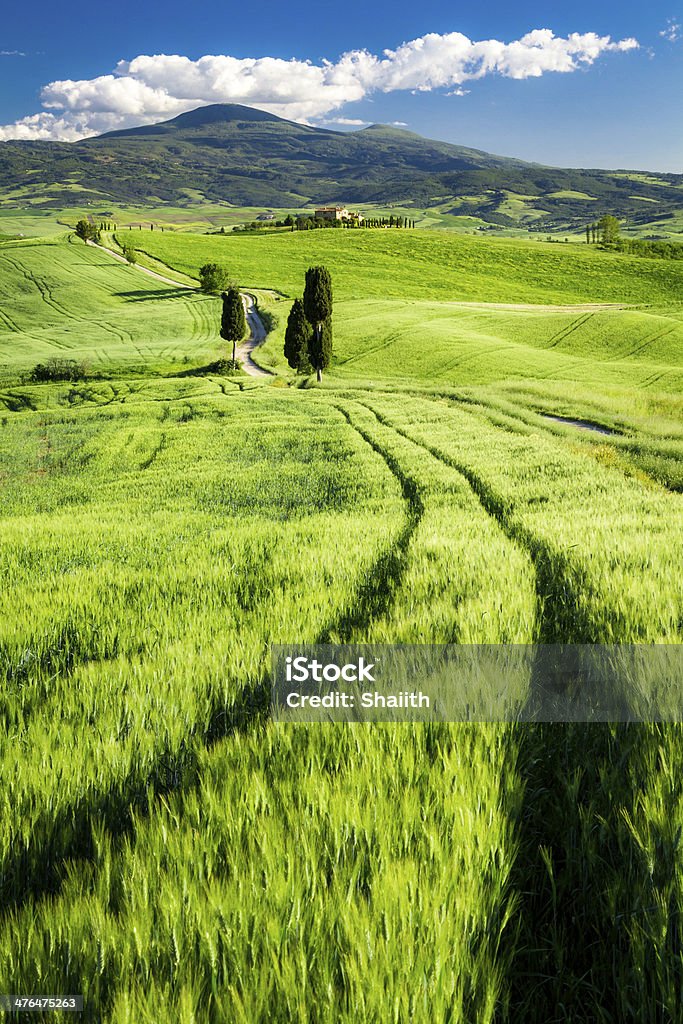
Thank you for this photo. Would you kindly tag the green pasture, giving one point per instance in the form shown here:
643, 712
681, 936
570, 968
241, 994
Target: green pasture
395, 263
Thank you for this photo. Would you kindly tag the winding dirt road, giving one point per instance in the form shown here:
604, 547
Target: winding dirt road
257, 335
257, 331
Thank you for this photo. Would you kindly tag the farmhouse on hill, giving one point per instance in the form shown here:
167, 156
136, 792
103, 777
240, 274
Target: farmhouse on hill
338, 213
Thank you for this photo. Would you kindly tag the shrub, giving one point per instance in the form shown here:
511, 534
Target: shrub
58, 370
227, 367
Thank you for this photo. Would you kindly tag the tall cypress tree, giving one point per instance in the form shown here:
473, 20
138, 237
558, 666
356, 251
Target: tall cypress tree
233, 321
297, 337
318, 310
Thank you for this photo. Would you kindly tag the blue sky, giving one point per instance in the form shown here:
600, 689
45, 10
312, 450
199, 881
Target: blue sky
482, 75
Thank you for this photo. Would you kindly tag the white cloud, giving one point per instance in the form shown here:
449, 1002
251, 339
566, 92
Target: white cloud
672, 33
154, 88
400, 124
12, 53
356, 122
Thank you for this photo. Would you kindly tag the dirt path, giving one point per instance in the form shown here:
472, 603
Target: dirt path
257, 335
257, 332
143, 270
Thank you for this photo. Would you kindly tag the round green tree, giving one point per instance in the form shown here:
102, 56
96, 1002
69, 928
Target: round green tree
213, 278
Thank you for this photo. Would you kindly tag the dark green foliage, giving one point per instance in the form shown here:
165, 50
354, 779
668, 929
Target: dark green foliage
298, 334
233, 321
88, 232
662, 250
58, 370
226, 367
130, 254
320, 347
318, 295
318, 310
213, 278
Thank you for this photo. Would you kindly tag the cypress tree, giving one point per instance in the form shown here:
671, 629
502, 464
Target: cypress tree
233, 322
318, 310
297, 337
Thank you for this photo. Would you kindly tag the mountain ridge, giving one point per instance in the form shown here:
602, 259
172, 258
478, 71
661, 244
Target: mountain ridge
245, 156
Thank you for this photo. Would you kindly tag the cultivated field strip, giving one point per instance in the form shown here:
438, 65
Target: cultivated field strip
244, 899
462, 578
603, 581
154, 630
151, 709
73, 301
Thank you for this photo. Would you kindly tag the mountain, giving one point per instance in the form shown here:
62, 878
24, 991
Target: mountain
248, 157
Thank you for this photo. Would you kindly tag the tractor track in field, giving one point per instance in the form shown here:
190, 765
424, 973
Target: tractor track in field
48, 298
555, 622
7, 319
374, 597
390, 340
650, 341
575, 325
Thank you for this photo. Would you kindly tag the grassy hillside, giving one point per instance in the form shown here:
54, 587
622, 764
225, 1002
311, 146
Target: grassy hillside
421, 265
62, 299
414, 306
445, 343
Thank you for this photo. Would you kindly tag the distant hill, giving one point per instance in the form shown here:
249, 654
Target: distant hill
248, 157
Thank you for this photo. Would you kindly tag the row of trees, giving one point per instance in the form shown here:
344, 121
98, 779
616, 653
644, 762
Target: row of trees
308, 336
660, 249
389, 222
309, 223
604, 231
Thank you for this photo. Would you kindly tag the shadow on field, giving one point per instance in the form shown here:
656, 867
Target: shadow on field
35, 870
592, 941
149, 295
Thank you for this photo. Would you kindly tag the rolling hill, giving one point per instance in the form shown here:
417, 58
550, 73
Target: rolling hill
245, 157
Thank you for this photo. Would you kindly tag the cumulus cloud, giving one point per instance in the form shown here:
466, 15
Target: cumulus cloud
672, 33
154, 88
355, 122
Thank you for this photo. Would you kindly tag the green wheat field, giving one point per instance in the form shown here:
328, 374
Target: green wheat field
165, 848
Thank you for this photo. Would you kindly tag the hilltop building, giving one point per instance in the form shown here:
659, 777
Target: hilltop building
338, 213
